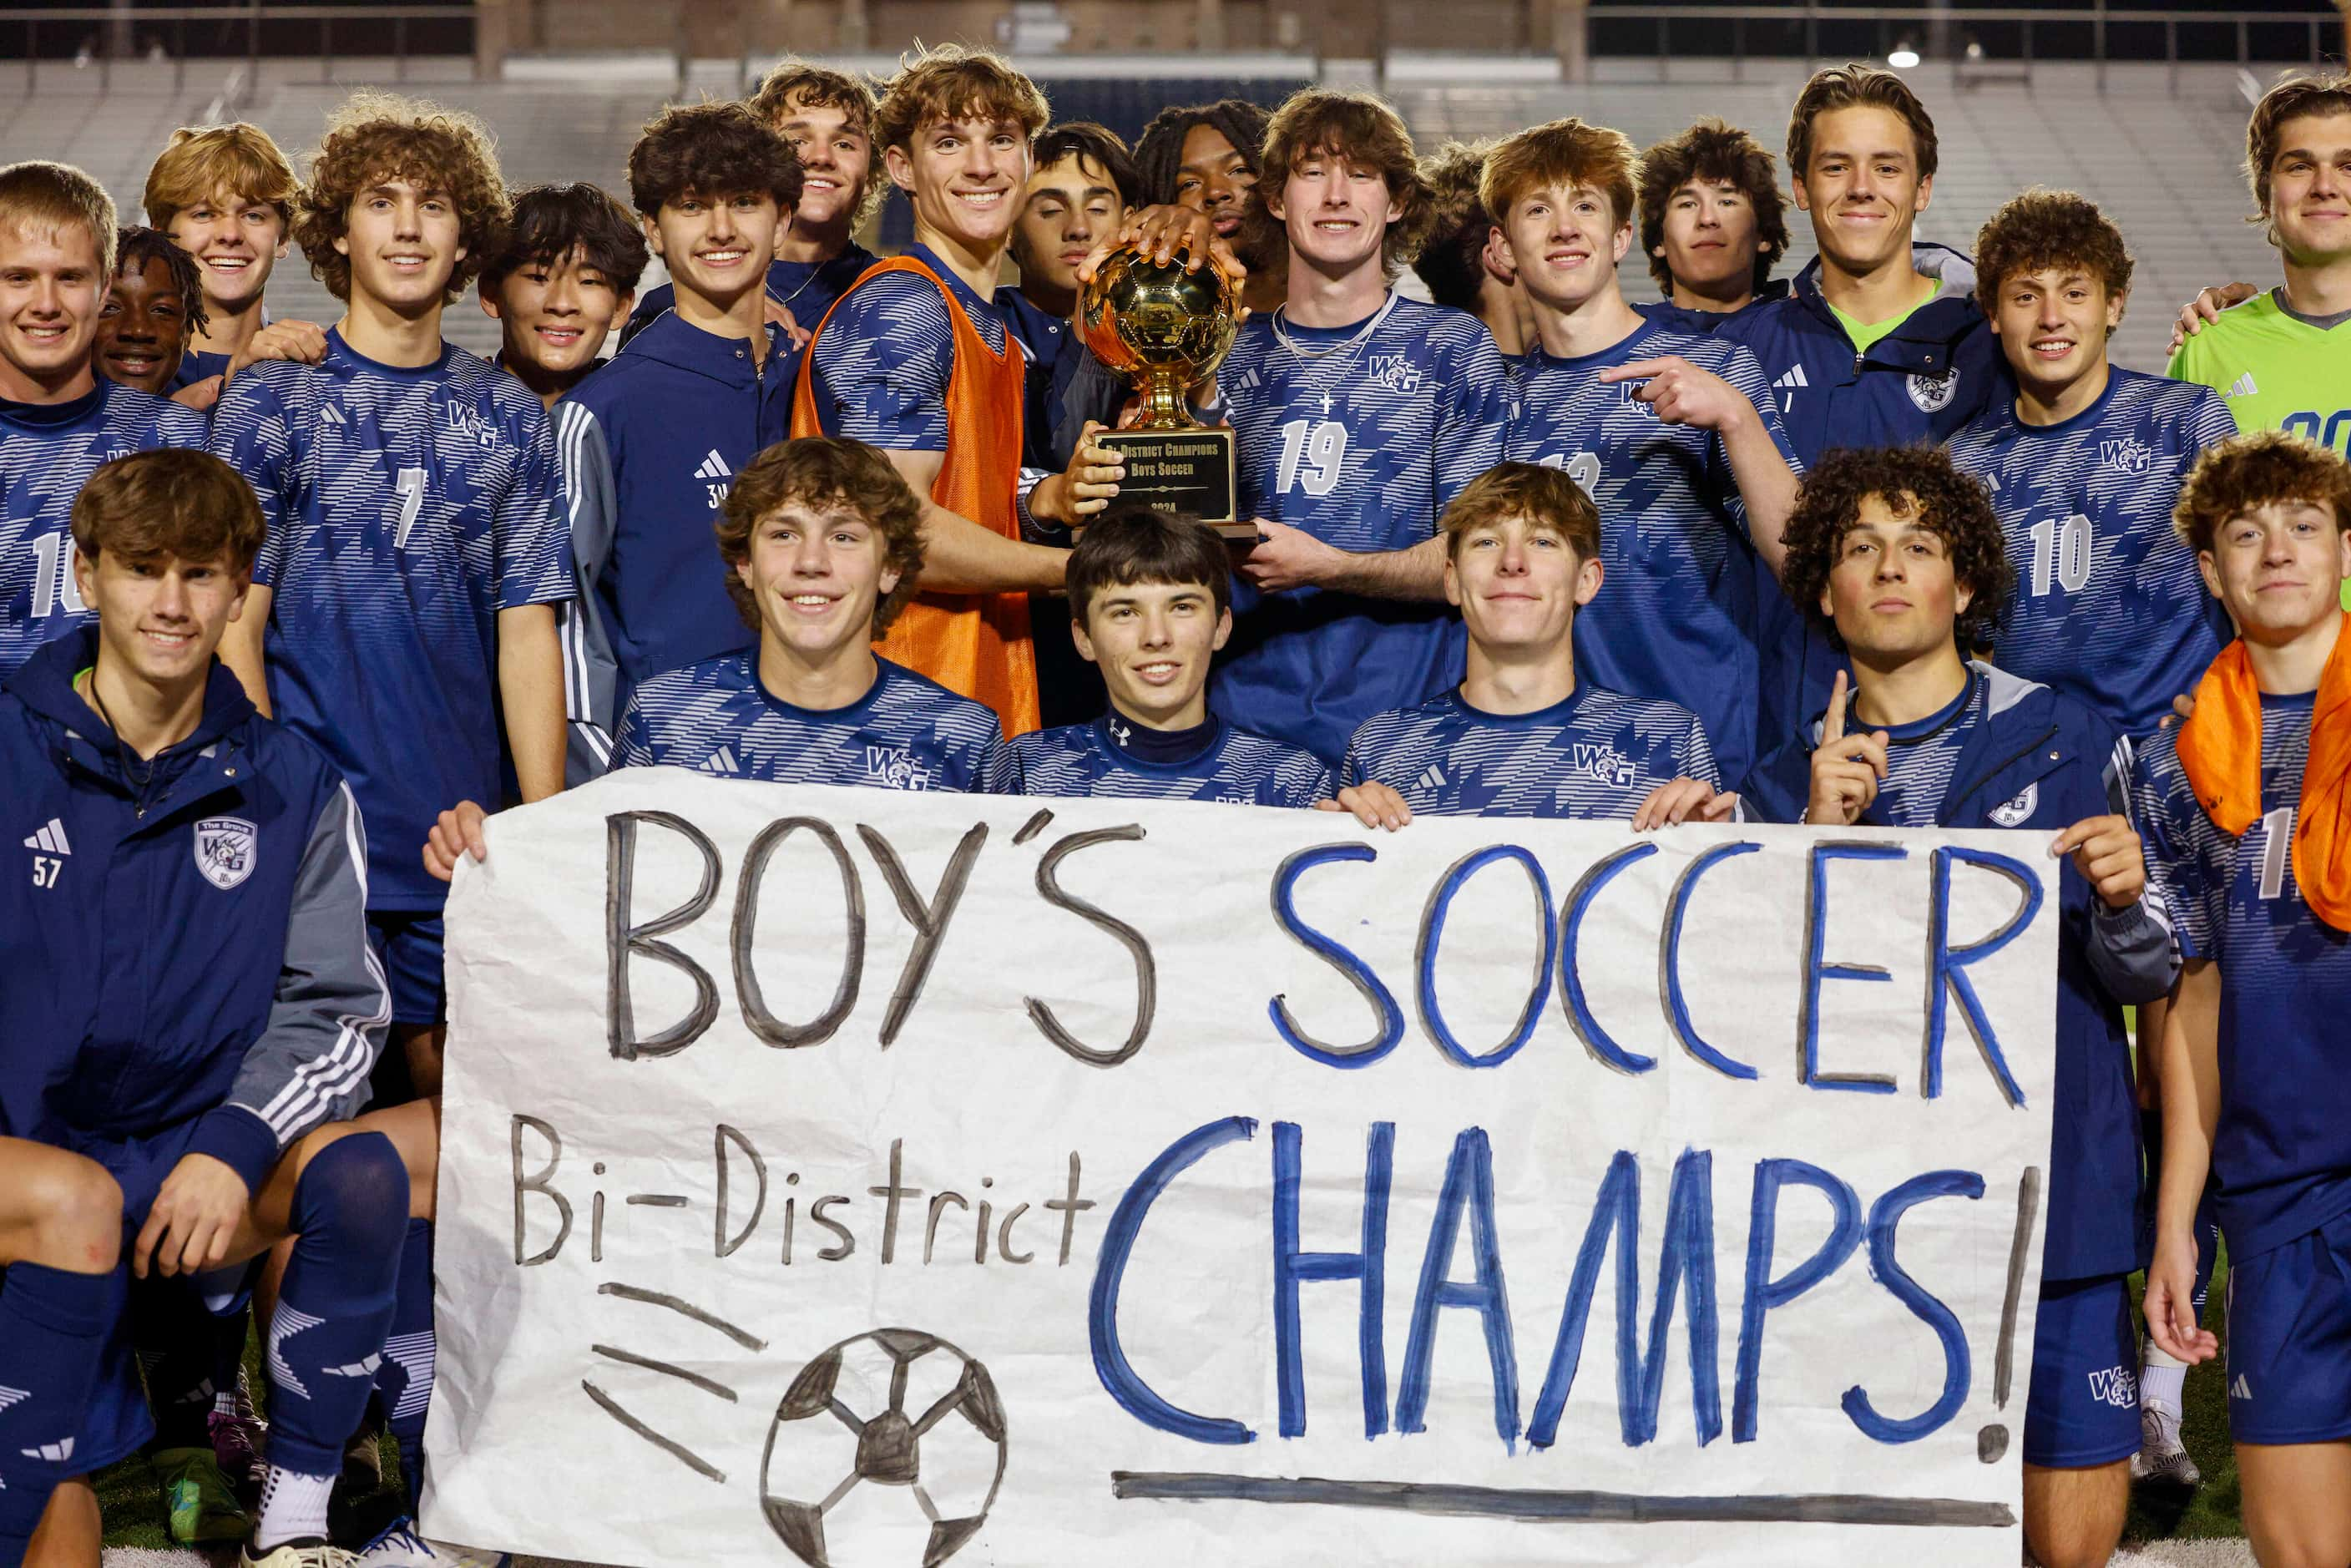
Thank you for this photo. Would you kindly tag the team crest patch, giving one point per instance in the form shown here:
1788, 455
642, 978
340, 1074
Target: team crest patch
224, 850
1934, 393
2016, 813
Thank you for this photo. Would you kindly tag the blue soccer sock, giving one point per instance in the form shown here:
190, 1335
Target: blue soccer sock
405, 1378
327, 1338
53, 1327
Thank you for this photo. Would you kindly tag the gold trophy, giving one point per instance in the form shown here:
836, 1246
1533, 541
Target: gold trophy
1165, 328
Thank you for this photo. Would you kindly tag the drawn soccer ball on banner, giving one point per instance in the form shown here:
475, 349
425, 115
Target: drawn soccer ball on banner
886, 1452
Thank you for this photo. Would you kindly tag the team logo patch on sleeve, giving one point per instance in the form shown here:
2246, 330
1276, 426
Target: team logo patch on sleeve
2016, 813
224, 850
1934, 393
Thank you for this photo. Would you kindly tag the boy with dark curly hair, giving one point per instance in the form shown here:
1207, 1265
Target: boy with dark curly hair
826, 117
1713, 224
1904, 559
2247, 808
651, 441
2083, 465
818, 549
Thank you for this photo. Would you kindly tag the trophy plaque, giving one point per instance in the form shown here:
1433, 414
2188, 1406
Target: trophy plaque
1163, 329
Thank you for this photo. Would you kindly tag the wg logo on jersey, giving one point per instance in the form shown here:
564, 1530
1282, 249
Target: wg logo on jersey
468, 424
1932, 395
2126, 455
1393, 372
894, 768
2116, 1387
1605, 763
224, 850
2016, 813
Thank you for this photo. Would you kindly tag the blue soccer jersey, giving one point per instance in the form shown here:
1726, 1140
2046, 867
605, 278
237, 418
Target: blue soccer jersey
1922, 757
1360, 435
2109, 608
882, 362
907, 732
1675, 616
2282, 1148
406, 507
1235, 766
47, 451
196, 365
1595, 755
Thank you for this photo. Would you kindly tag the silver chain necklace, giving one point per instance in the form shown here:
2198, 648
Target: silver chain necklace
1351, 348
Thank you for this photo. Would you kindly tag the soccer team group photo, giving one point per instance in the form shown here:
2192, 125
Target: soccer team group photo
1221, 508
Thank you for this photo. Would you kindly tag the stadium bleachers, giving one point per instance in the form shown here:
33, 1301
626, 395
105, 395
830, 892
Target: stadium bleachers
2166, 165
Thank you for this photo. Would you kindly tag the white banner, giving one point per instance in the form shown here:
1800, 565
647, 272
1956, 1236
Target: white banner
848, 1177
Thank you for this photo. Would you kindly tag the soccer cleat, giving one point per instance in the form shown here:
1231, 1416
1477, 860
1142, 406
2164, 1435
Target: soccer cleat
237, 1445
197, 1497
402, 1547
363, 1459
297, 1554
2160, 1459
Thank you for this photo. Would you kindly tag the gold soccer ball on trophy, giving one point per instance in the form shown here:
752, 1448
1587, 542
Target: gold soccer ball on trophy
1160, 327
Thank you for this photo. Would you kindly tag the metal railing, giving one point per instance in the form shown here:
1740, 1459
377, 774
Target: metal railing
218, 32
2009, 39
2322, 32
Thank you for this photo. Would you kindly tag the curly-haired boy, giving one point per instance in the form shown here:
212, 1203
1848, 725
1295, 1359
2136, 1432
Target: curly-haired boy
1904, 559
2083, 465
403, 611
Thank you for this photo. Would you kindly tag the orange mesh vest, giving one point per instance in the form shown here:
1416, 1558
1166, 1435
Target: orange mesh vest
975, 644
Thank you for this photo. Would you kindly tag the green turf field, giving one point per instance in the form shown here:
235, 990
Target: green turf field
2212, 1509
134, 1510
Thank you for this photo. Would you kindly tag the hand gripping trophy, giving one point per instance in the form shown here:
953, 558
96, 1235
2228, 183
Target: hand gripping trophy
1164, 329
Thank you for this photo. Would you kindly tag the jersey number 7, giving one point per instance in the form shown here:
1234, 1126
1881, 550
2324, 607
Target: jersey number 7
410, 489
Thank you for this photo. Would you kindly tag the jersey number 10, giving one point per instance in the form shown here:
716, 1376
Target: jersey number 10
2062, 551
53, 577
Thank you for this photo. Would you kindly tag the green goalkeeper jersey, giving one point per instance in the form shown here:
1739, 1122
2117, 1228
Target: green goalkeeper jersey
2276, 370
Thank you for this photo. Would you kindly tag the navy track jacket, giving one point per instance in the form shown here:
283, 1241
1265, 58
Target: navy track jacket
1916, 386
649, 446
191, 949
2041, 761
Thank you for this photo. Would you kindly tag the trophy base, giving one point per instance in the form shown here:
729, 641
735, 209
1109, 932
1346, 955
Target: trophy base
1187, 472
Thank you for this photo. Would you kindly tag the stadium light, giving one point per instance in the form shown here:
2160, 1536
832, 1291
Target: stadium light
1904, 56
